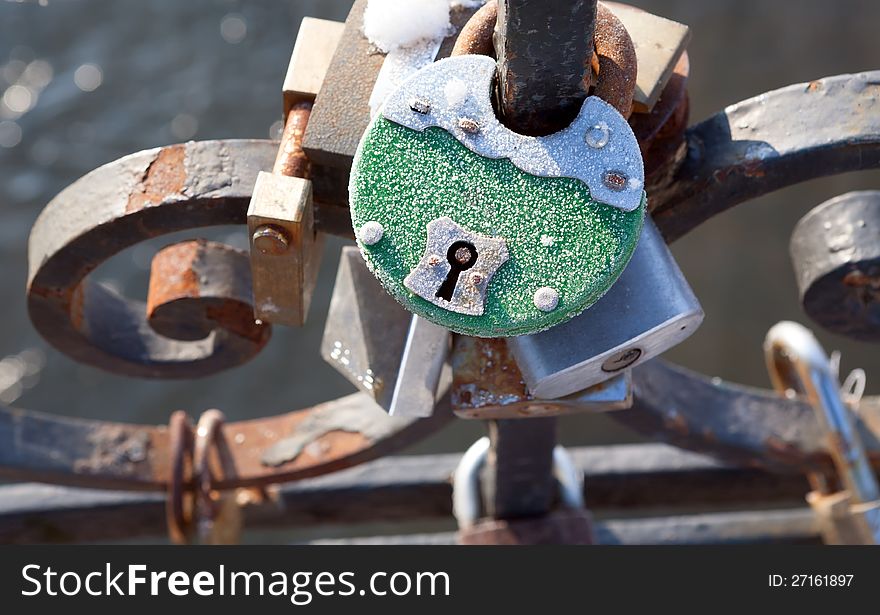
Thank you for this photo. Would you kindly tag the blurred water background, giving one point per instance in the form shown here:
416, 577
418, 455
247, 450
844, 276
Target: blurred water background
83, 82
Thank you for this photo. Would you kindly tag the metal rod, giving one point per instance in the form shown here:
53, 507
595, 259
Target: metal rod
518, 480
544, 48
618, 478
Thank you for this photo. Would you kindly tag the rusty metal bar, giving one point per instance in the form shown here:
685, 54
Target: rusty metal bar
624, 477
746, 425
544, 48
118, 205
518, 478
303, 443
291, 160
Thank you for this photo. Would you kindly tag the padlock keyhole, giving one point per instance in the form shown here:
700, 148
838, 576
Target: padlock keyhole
461, 256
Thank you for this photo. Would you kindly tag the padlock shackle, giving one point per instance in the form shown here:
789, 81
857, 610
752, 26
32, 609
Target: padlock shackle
797, 362
466, 500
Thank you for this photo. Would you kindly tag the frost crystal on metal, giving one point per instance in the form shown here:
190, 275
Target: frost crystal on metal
598, 142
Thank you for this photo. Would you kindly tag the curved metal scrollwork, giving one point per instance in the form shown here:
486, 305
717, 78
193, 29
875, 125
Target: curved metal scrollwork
120, 204
750, 149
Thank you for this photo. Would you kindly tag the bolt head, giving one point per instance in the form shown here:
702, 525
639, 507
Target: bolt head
468, 125
615, 180
270, 240
419, 105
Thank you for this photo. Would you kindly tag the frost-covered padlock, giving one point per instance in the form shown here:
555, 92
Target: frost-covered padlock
485, 231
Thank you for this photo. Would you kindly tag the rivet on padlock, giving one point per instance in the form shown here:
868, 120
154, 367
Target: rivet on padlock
650, 309
797, 363
484, 231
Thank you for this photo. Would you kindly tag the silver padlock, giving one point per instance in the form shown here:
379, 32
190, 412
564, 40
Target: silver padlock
650, 309
797, 363
386, 352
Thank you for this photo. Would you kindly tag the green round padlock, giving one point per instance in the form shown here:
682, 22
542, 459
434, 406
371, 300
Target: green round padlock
485, 231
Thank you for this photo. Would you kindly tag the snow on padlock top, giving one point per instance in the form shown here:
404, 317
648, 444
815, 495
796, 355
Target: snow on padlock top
455, 94
485, 231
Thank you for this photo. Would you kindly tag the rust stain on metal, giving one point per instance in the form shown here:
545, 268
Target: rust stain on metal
661, 133
77, 307
475, 37
709, 435
859, 279
780, 449
291, 160
238, 318
180, 286
171, 274
329, 432
484, 374
311, 448
676, 422
164, 176
753, 168
618, 66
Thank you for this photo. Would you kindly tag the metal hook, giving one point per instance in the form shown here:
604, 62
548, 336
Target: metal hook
853, 388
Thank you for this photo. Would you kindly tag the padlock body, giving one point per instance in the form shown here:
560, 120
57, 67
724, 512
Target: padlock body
484, 231
556, 235
368, 338
650, 309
